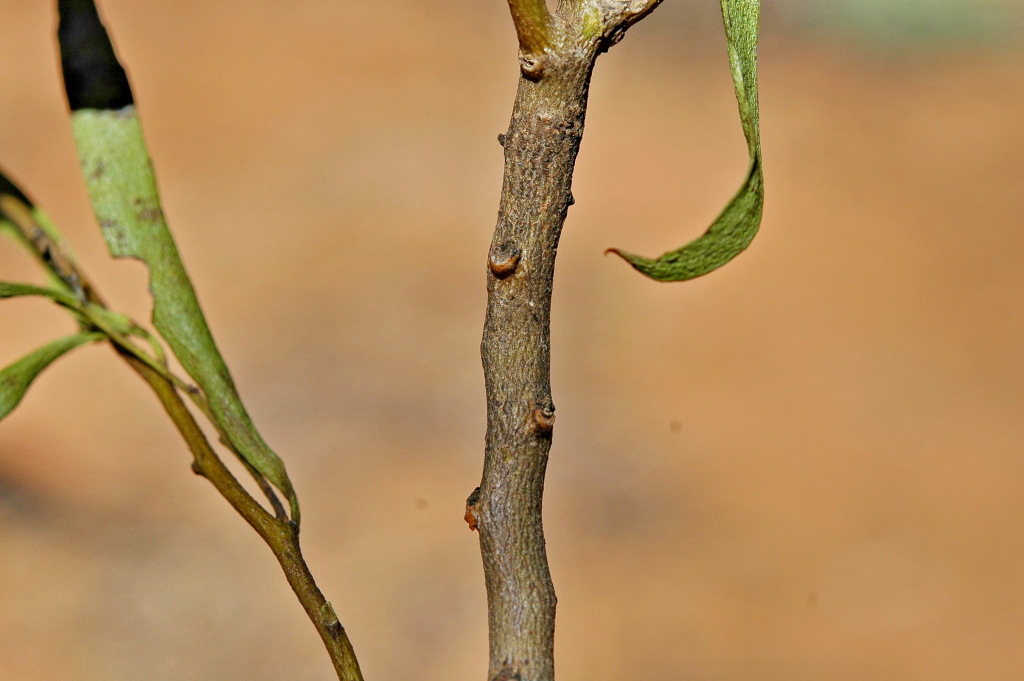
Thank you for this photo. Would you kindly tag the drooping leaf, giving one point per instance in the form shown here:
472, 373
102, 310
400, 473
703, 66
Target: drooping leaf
733, 230
122, 188
16, 378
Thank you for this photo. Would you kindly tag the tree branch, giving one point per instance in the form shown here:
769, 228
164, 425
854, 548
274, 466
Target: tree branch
637, 10
615, 17
541, 146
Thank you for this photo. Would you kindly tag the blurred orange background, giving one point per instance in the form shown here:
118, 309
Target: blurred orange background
808, 465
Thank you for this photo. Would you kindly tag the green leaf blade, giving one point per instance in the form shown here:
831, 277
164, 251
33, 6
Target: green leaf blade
122, 188
16, 378
10, 289
737, 225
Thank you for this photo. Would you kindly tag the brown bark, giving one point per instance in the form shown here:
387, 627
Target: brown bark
541, 145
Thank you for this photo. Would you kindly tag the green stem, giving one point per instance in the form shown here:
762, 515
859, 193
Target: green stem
533, 26
281, 536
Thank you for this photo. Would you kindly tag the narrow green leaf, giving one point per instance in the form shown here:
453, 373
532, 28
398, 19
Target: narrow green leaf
12, 290
122, 188
16, 378
117, 327
32, 228
733, 230
59, 294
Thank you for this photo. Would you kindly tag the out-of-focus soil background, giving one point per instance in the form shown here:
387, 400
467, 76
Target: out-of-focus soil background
808, 465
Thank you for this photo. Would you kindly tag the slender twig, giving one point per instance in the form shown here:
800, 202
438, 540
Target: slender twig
533, 27
541, 146
282, 536
533, 24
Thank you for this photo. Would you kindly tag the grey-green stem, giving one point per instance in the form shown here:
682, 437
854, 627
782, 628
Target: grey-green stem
282, 536
541, 145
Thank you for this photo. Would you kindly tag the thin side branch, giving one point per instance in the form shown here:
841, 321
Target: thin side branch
638, 9
618, 16
282, 536
533, 24
533, 27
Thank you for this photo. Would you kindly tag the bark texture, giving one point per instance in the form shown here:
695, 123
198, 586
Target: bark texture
541, 145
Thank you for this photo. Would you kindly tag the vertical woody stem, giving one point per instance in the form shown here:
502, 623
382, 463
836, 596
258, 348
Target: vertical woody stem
541, 145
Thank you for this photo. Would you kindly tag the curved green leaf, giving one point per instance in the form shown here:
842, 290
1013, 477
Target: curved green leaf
16, 378
122, 188
733, 230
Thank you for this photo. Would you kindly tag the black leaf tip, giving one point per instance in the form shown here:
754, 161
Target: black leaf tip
93, 78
